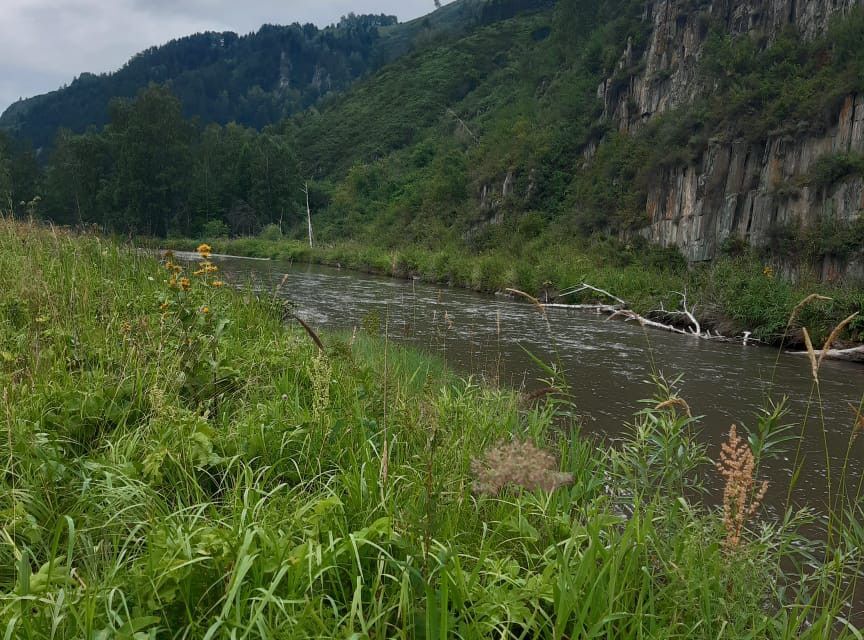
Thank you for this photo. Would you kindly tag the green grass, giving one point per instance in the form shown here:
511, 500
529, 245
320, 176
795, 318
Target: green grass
180, 464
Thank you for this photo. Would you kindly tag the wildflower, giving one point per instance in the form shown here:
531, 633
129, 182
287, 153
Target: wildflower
737, 467
520, 464
204, 250
185, 284
206, 267
217, 284
205, 310
768, 271
125, 327
164, 306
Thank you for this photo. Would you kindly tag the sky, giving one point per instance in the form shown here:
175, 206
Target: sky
45, 44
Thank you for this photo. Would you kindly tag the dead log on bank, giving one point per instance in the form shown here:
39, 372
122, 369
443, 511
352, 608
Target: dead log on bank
621, 310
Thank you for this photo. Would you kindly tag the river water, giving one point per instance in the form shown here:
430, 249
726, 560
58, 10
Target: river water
608, 363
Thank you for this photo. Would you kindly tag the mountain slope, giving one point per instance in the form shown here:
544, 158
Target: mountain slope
220, 77
255, 79
701, 127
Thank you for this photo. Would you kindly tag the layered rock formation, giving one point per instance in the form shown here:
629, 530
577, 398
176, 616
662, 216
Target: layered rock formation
736, 188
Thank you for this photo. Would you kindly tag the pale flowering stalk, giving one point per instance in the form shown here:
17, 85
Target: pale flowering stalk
737, 466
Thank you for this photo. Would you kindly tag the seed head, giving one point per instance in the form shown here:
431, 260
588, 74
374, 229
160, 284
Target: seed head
520, 464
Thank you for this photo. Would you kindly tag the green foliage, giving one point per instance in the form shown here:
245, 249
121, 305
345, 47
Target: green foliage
253, 79
830, 169
150, 171
19, 175
327, 493
215, 229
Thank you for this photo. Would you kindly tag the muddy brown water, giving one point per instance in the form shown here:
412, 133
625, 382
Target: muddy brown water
608, 363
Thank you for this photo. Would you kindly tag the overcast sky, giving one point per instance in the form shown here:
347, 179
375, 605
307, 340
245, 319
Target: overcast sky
46, 43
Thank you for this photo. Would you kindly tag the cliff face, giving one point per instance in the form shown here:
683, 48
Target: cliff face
735, 188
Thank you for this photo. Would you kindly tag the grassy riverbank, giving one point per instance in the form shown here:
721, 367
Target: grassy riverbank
732, 295
177, 463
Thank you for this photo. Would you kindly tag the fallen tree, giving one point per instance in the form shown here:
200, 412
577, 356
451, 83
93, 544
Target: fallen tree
620, 309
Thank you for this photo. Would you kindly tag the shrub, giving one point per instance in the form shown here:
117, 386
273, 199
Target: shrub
271, 233
215, 229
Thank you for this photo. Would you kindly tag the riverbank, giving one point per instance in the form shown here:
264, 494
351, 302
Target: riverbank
732, 296
178, 461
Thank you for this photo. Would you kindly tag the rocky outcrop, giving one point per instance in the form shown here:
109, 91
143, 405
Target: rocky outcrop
736, 188
667, 75
748, 191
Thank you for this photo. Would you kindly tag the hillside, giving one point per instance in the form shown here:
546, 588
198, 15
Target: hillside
255, 79
705, 128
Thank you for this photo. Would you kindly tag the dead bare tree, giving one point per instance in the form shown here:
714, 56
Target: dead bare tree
308, 212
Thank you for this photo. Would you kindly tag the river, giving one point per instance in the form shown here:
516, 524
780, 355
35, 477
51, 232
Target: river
608, 363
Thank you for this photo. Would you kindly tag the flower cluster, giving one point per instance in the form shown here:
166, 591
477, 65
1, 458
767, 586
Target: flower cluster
205, 267
737, 467
175, 281
517, 464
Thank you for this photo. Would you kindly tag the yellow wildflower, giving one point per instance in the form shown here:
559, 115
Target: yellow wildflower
205, 310
164, 306
200, 272
768, 271
185, 284
217, 283
204, 250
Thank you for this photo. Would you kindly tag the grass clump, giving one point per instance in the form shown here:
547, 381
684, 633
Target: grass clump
177, 463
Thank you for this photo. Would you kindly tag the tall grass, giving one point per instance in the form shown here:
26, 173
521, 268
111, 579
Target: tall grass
178, 463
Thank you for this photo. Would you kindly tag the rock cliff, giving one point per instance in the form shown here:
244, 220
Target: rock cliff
735, 188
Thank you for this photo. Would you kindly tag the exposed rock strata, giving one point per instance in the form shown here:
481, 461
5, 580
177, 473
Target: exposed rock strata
735, 188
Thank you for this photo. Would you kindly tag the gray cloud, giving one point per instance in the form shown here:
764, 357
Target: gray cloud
46, 43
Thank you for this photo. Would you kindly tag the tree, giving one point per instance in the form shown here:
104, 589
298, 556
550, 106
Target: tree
151, 141
19, 175
76, 177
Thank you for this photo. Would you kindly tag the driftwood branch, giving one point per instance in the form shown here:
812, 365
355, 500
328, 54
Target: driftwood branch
620, 310
690, 314
587, 287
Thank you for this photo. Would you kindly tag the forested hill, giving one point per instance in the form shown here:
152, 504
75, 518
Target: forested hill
709, 126
255, 79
